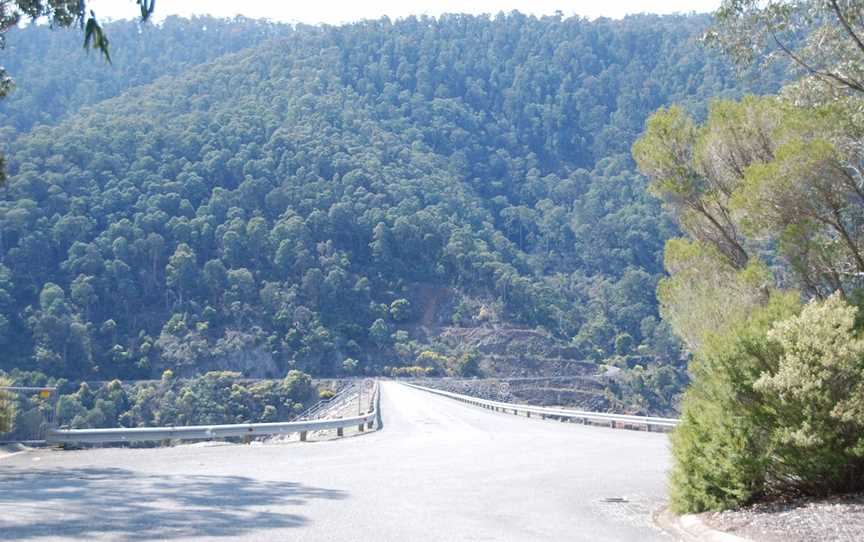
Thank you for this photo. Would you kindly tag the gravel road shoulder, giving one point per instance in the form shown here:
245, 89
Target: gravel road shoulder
8, 450
836, 519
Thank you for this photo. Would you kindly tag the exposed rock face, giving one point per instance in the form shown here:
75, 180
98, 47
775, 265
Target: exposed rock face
193, 354
511, 351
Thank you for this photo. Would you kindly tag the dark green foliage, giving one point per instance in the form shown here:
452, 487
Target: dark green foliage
468, 364
54, 77
284, 206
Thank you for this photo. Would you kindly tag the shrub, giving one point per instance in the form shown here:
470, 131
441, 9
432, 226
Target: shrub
412, 371
719, 449
776, 407
468, 364
349, 366
817, 397
326, 394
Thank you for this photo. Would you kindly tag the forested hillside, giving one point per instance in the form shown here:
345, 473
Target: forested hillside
54, 76
314, 201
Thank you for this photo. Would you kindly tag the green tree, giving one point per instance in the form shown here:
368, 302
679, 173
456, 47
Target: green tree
831, 54
379, 333
400, 310
816, 394
61, 14
181, 273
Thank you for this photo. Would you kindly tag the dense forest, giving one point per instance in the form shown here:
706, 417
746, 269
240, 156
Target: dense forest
308, 198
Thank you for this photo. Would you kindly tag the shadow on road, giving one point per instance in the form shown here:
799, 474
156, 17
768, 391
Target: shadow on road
120, 504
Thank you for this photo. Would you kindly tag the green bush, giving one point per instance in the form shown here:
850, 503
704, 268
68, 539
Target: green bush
719, 447
468, 364
326, 394
816, 396
214, 397
411, 371
776, 407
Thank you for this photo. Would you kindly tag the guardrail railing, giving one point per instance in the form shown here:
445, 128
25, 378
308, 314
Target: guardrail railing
651, 423
313, 412
205, 432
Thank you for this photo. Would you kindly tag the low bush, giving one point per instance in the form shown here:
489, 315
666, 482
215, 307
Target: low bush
776, 407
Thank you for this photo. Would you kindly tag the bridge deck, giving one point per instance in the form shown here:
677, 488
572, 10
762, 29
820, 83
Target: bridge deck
439, 470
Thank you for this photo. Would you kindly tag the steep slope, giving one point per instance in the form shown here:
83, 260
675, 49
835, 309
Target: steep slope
292, 204
54, 76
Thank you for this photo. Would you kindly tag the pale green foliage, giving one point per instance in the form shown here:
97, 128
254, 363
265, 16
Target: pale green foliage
400, 310
817, 398
349, 365
808, 196
704, 294
760, 31
759, 170
696, 169
428, 358
181, 273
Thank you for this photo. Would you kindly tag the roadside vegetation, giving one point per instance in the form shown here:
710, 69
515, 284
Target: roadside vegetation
765, 285
218, 397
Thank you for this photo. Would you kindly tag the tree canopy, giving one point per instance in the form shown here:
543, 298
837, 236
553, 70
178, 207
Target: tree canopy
292, 204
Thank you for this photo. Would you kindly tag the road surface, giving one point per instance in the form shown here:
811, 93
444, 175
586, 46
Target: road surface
439, 470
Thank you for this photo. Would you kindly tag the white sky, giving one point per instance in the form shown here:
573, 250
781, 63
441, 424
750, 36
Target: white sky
335, 11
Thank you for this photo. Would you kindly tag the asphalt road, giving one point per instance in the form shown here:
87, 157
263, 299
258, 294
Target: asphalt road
439, 470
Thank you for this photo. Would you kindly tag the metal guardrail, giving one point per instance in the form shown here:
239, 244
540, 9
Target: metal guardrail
205, 432
313, 411
650, 422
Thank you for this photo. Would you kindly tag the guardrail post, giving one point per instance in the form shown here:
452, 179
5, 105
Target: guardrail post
339, 431
369, 424
361, 427
528, 413
648, 427
302, 436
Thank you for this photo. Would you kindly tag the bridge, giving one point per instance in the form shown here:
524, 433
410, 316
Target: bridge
440, 469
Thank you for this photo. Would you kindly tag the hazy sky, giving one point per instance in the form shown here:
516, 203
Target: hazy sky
334, 12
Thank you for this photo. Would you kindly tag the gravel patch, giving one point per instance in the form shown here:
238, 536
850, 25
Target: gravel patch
835, 519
